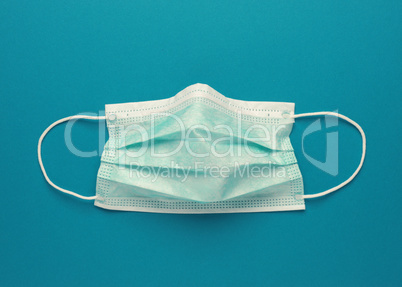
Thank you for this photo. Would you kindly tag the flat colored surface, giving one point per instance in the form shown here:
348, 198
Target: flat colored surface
60, 58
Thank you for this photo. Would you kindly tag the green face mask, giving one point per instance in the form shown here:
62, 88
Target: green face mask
200, 152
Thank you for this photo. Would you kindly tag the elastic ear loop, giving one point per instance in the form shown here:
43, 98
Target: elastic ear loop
356, 125
40, 153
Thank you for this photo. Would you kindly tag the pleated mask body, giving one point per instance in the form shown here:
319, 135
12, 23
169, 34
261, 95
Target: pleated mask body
199, 152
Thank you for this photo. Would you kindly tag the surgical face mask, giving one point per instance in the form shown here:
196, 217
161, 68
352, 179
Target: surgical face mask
200, 152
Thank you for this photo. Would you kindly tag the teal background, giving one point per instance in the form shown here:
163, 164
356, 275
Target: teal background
60, 58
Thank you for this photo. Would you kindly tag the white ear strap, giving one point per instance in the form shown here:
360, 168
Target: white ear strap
40, 153
293, 116
356, 125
